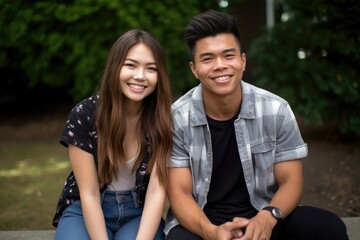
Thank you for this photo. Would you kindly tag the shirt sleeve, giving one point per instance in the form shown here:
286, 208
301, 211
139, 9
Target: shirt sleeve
180, 154
79, 128
289, 143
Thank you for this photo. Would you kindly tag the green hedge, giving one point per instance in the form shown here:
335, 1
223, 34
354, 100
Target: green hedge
63, 44
311, 58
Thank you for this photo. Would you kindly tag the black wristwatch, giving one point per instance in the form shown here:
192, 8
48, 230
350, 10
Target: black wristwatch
275, 212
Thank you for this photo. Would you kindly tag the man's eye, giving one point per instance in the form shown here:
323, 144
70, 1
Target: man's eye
230, 56
206, 59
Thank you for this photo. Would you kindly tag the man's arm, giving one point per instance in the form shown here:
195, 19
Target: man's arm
188, 212
289, 175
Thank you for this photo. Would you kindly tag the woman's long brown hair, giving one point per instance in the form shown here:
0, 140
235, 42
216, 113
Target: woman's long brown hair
155, 121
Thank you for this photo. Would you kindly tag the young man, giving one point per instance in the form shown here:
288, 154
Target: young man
236, 170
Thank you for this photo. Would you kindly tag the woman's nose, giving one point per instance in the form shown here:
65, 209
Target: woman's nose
139, 74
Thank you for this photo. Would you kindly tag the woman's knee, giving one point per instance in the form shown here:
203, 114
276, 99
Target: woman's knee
72, 224
71, 228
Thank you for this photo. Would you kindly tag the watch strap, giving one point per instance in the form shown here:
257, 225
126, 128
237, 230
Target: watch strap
275, 212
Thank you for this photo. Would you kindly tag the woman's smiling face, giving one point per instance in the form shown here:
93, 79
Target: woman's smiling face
138, 74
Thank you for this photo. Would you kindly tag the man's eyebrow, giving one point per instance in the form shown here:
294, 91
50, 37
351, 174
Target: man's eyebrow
230, 50
206, 54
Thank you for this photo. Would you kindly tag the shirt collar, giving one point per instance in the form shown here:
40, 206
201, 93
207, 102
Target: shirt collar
198, 115
248, 102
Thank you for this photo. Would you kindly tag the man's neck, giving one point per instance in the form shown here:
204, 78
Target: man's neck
222, 107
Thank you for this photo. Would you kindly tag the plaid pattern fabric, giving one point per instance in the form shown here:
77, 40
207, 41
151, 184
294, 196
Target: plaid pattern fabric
266, 133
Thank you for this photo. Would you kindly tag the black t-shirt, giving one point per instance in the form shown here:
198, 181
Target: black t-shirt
228, 196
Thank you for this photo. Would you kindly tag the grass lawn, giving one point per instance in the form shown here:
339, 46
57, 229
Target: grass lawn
32, 174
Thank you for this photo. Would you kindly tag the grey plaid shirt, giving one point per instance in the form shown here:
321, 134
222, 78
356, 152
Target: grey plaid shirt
266, 133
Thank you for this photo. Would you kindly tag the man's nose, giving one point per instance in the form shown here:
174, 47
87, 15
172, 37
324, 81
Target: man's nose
219, 63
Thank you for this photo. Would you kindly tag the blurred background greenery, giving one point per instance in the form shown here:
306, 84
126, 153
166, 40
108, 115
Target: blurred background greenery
52, 54
306, 51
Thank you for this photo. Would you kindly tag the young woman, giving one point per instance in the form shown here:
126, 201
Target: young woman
119, 145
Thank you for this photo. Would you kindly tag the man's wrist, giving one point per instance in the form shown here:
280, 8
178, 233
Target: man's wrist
208, 230
275, 212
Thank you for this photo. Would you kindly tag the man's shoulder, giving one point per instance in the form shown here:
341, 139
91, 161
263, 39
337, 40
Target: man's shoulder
184, 102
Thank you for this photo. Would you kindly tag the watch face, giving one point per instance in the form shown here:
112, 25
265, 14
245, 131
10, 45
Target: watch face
276, 213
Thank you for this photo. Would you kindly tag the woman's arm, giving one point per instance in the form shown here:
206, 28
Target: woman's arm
153, 209
83, 166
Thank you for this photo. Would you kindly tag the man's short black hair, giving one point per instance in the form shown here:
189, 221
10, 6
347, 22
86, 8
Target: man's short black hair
209, 23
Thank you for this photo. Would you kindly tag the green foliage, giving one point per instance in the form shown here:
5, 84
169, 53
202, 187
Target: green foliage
312, 59
65, 43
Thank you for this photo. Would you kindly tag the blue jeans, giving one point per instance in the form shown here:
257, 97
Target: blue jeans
122, 218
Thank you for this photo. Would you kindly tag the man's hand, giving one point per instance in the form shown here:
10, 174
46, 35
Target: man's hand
231, 230
259, 228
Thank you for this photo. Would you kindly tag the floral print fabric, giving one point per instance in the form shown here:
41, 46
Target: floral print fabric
80, 130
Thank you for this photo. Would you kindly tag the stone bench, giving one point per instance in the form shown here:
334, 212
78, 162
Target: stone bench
352, 223
28, 235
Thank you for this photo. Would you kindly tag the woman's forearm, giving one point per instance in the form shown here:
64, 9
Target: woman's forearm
94, 218
153, 209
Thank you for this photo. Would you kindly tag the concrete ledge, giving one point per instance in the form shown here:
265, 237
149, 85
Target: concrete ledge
27, 235
352, 224
353, 227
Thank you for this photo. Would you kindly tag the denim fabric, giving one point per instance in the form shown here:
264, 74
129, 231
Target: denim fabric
122, 217
80, 130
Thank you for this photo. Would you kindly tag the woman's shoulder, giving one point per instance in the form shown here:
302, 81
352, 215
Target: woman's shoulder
86, 105
89, 102
85, 109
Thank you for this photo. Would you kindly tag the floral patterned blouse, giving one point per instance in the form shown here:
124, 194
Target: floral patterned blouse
80, 130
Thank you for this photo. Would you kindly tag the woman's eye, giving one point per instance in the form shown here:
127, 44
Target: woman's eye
129, 65
153, 69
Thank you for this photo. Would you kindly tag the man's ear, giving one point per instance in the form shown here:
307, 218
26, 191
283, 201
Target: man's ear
193, 69
243, 58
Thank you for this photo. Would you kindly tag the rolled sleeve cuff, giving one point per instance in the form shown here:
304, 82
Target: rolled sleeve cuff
290, 154
179, 162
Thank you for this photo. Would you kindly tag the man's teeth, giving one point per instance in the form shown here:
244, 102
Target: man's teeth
222, 78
